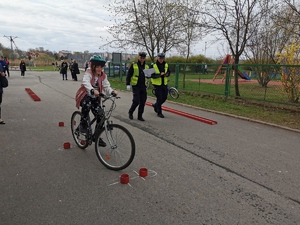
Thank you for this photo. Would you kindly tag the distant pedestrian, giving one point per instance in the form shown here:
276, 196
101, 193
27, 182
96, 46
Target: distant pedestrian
86, 65
64, 70
3, 84
75, 70
3, 63
7, 66
71, 68
22, 68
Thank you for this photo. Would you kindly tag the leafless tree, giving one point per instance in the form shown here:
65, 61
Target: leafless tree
191, 29
151, 25
295, 8
287, 17
236, 21
262, 47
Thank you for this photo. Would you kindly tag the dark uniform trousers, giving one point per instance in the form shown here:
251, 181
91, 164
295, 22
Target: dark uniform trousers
139, 99
161, 93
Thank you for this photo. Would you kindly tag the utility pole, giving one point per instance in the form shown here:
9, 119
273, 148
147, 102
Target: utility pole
11, 39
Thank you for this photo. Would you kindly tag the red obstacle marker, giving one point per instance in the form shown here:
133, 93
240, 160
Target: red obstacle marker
143, 172
61, 124
124, 179
67, 145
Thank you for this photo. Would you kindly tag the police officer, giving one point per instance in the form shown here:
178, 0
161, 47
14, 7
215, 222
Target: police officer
136, 78
159, 80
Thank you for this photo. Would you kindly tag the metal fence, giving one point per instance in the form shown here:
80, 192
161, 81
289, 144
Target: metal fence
270, 83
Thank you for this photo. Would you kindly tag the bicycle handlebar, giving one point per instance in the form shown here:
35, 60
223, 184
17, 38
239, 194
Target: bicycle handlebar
112, 95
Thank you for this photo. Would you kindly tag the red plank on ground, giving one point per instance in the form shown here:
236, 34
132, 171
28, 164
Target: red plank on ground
32, 95
188, 115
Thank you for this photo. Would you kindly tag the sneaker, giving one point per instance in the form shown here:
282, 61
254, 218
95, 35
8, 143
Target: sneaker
101, 143
160, 115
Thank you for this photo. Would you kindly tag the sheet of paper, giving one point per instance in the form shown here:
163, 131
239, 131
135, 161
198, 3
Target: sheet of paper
148, 72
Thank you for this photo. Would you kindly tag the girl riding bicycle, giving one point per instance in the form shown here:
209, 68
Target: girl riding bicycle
94, 82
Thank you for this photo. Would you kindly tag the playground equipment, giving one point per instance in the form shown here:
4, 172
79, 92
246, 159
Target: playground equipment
222, 69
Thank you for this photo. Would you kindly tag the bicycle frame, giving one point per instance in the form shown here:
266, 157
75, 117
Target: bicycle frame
114, 144
104, 119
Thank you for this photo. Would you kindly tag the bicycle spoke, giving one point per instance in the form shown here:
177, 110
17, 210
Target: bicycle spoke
79, 138
119, 150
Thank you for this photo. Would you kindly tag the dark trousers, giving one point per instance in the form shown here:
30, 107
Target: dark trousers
161, 93
65, 75
139, 99
74, 75
0, 102
88, 104
6, 69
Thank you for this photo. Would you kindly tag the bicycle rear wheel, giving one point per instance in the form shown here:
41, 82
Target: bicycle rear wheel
173, 92
120, 147
80, 139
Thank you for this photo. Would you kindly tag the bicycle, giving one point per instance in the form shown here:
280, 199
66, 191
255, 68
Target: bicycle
172, 91
114, 144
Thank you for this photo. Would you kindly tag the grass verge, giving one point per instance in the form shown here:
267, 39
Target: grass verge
279, 115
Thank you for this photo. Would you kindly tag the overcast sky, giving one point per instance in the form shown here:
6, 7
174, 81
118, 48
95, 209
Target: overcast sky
62, 25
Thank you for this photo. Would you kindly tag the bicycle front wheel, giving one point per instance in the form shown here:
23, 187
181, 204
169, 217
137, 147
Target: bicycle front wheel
173, 93
115, 147
80, 139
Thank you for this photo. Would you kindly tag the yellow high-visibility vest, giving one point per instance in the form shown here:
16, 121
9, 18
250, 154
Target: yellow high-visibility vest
134, 78
157, 81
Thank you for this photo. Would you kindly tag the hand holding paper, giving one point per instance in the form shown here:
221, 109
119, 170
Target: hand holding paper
149, 72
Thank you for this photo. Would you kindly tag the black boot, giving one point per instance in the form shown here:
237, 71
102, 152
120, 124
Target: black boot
141, 118
154, 106
130, 115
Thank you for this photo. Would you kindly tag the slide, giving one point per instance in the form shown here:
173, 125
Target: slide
243, 74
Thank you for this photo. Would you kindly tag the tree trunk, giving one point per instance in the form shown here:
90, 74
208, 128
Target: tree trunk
236, 84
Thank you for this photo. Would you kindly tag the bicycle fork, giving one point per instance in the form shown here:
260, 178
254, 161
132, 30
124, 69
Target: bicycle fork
109, 135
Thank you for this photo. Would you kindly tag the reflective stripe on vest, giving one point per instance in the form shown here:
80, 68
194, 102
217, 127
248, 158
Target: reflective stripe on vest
134, 78
157, 81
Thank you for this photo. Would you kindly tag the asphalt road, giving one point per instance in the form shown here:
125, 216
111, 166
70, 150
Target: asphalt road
234, 172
